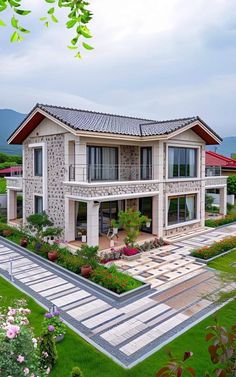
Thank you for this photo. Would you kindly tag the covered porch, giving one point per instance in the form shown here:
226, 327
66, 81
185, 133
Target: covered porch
90, 221
14, 201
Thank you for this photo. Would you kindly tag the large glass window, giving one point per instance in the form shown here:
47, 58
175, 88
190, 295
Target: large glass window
146, 163
38, 204
38, 162
182, 162
102, 163
181, 209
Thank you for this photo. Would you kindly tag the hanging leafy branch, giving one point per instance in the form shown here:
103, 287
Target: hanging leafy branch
78, 17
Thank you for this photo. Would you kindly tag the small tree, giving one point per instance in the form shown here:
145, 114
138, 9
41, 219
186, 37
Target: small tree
231, 185
131, 221
42, 225
47, 351
76, 372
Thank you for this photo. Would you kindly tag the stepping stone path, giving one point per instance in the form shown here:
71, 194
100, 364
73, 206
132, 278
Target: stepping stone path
127, 332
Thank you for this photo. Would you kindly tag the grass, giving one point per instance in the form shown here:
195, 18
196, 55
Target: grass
74, 351
225, 262
3, 184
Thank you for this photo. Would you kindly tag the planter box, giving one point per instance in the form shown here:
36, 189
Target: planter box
213, 258
131, 257
85, 282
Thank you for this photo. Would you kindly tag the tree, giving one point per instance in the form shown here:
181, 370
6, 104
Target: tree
78, 17
231, 185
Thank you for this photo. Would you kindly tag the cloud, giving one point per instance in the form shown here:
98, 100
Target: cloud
159, 59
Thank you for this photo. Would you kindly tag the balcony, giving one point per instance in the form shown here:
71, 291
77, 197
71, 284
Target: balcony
15, 183
213, 171
109, 173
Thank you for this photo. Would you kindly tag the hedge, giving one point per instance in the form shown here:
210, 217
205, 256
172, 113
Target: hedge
216, 248
219, 222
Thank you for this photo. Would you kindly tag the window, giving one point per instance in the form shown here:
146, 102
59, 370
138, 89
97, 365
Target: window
182, 162
146, 163
102, 163
38, 162
38, 204
181, 209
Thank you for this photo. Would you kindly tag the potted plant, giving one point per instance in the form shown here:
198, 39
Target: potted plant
83, 235
89, 257
131, 221
52, 255
7, 232
54, 324
148, 223
115, 226
24, 241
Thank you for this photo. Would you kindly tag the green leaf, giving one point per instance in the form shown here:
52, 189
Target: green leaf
54, 19
51, 10
22, 12
43, 19
74, 41
71, 23
88, 47
83, 30
78, 55
23, 30
14, 22
2, 23
50, 1
72, 47
14, 37
46, 24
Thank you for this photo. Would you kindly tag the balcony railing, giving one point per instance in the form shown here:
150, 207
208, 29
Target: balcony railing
101, 173
213, 171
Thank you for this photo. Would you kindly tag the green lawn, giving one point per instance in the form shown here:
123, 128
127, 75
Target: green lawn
225, 262
3, 183
74, 351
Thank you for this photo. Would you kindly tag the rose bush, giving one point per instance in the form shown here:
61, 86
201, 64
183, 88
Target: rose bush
19, 354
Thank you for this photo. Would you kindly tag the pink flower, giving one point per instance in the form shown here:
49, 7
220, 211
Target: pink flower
11, 334
20, 358
26, 371
11, 311
48, 370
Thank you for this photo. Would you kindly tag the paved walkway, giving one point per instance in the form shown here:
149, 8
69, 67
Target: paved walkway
131, 331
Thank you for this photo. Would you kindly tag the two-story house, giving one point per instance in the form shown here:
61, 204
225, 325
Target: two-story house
83, 167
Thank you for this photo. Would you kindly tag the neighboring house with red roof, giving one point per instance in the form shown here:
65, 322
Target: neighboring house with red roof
12, 171
215, 162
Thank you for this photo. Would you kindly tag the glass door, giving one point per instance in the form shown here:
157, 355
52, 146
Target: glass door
145, 207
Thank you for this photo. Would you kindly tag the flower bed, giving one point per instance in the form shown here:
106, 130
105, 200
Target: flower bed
216, 248
120, 283
219, 222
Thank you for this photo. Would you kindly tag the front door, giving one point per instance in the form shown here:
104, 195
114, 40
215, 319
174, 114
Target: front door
108, 211
145, 207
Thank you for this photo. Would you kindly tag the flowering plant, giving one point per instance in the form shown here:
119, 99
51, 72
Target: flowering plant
53, 323
19, 354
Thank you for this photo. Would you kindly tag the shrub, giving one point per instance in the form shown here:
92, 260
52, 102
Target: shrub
231, 185
54, 324
37, 223
18, 347
47, 350
219, 222
88, 254
216, 248
76, 372
70, 261
114, 280
131, 221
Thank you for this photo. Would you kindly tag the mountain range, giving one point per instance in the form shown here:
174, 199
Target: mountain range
10, 120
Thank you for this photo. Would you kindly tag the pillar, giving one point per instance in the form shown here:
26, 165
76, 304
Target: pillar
223, 200
93, 223
69, 220
11, 205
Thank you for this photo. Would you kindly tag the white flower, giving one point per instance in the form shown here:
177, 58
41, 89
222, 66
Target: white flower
26, 371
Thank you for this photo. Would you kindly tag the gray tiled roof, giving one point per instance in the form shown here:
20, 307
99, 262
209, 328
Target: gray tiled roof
116, 124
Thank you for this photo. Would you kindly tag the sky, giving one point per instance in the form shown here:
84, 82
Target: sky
160, 59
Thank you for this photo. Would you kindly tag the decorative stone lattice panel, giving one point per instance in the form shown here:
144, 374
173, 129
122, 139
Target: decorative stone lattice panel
214, 181
93, 191
56, 174
179, 187
129, 163
181, 229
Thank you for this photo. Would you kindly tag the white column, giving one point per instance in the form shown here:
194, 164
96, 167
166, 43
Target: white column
201, 197
161, 196
80, 160
155, 215
223, 200
11, 205
69, 220
92, 223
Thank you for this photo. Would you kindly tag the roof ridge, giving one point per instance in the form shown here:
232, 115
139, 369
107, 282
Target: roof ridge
95, 112
169, 120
